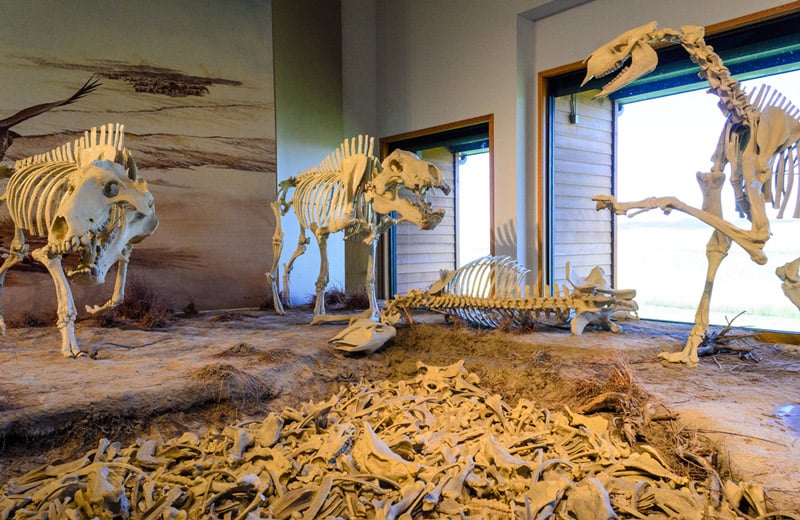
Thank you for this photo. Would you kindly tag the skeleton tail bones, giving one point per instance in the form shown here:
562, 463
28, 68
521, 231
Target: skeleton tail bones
488, 292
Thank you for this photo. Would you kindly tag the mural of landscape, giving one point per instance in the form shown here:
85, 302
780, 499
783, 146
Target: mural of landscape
192, 83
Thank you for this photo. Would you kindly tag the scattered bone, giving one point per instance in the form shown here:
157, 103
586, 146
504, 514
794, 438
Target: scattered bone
436, 446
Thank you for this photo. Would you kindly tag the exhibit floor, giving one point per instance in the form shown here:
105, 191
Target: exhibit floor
221, 367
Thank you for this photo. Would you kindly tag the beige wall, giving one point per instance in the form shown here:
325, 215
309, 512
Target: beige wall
450, 60
308, 98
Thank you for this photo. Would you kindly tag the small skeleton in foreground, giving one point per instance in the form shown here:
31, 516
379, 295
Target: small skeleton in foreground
759, 141
85, 198
489, 292
353, 192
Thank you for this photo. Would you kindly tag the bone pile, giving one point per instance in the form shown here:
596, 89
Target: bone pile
436, 446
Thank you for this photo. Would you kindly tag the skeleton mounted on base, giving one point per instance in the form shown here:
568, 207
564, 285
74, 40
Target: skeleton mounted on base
352, 191
86, 198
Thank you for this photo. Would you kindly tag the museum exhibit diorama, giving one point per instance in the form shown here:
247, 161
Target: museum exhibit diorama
213, 384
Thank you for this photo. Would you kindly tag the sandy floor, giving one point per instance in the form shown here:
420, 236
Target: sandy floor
222, 366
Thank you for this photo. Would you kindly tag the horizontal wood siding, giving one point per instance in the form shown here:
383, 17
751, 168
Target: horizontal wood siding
422, 254
582, 168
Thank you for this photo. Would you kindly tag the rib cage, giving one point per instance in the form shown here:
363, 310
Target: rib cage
39, 183
783, 163
320, 202
489, 277
320, 197
34, 194
488, 292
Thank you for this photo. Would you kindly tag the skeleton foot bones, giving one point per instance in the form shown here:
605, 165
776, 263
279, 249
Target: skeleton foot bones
434, 446
86, 198
790, 277
758, 144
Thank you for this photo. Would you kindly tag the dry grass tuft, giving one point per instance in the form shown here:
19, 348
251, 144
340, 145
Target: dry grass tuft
31, 320
339, 299
225, 382
229, 316
142, 305
277, 355
240, 349
357, 300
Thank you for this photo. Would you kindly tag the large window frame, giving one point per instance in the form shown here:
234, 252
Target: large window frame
473, 133
753, 45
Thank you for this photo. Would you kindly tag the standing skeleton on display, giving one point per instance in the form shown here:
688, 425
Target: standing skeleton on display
352, 191
85, 198
759, 142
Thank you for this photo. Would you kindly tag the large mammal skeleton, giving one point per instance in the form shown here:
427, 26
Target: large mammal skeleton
489, 292
353, 192
85, 198
759, 142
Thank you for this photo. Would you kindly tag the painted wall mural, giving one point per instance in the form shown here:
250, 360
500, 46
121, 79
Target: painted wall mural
192, 83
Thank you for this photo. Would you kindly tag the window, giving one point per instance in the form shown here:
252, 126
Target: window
650, 158
412, 258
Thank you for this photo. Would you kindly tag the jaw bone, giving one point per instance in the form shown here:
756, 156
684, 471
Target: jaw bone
633, 44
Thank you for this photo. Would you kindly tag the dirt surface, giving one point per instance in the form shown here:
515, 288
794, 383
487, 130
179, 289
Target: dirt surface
216, 368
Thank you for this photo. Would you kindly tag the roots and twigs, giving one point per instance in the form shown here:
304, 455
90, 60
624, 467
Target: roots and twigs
722, 341
337, 298
32, 320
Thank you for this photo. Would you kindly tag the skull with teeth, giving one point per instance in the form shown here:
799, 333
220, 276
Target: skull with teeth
107, 208
403, 169
88, 199
633, 44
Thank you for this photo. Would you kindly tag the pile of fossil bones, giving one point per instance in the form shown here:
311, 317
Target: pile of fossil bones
435, 446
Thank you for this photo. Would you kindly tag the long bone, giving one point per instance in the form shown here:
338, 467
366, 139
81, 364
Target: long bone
285, 481
759, 141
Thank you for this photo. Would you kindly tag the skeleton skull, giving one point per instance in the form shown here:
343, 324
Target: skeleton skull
107, 209
402, 169
633, 44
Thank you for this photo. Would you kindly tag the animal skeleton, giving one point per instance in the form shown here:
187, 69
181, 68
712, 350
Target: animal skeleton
759, 142
86, 198
488, 292
351, 191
